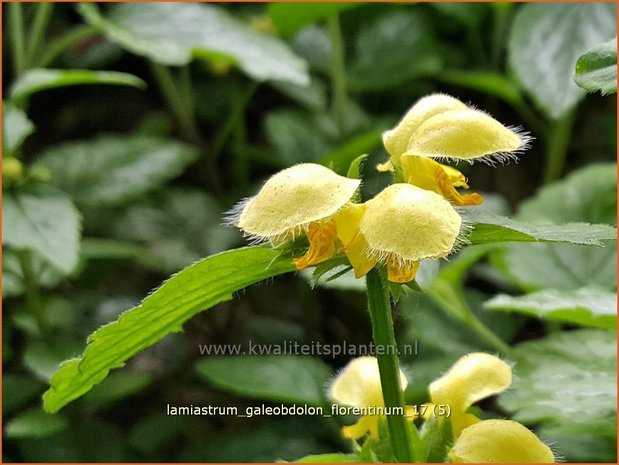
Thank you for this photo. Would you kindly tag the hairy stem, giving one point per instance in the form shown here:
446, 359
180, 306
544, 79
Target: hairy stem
388, 363
177, 102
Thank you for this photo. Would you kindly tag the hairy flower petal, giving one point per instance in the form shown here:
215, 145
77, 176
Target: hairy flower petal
408, 223
358, 384
499, 441
295, 197
397, 140
473, 377
463, 134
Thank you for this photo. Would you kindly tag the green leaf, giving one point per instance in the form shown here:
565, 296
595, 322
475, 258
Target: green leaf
37, 80
191, 291
354, 170
35, 424
16, 127
597, 69
279, 378
545, 43
288, 18
392, 49
586, 306
45, 222
113, 169
567, 380
489, 228
588, 194
174, 33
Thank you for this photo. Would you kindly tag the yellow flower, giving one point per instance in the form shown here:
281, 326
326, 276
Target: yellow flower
358, 385
402, 225
397, 140
299, 199
399, 227
441, 127
472, 378
499, 441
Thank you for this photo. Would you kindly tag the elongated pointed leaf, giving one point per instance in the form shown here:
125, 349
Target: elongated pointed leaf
586, 306
488, 228
37, 80
193, 290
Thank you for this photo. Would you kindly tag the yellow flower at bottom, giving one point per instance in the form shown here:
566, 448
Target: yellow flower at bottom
404, 224
358, 385
499, 441
472, 378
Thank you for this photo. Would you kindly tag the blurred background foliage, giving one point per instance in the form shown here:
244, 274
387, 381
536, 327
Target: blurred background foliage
129, 129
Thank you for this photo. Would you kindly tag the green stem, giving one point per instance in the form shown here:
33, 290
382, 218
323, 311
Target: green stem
186, 86
241, 161
338, 72
236, 115
451, 299
66, 41
487, 335
558, 143
33, 299
177, 103
39, 26
16, 25
388, 364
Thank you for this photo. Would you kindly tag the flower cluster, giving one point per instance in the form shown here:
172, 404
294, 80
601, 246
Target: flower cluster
471, 379
411, 220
